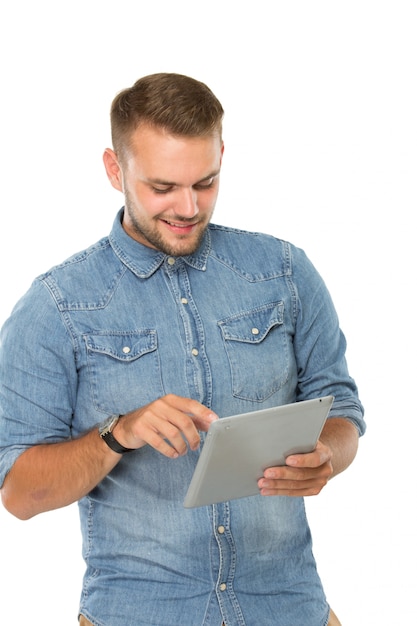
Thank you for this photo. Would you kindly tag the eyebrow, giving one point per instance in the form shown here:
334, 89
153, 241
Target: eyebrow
160, 181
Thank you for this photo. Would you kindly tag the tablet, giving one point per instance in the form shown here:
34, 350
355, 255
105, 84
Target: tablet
237, 449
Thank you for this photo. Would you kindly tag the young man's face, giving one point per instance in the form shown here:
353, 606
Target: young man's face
170, 184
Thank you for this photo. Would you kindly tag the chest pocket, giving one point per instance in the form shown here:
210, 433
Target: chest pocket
257, 348
123, 369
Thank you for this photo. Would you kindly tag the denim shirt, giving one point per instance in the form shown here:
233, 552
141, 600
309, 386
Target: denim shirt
244, 323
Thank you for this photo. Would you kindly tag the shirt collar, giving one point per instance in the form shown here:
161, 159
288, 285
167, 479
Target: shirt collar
144, 261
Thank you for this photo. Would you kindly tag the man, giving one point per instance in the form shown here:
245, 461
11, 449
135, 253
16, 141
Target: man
115, 363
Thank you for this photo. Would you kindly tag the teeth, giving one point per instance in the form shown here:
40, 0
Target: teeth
177, 225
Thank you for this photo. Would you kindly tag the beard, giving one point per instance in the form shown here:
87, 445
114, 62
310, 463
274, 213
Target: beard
148, 234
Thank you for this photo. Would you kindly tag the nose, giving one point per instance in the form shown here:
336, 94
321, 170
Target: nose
188, 205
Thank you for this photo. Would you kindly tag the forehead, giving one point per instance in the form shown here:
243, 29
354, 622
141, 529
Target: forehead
155, 153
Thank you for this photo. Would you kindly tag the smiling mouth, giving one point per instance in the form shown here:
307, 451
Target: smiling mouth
184, 226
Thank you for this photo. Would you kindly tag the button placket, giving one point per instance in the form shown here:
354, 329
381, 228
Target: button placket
197, 369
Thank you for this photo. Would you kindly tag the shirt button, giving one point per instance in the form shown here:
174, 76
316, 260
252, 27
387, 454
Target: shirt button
194, 352
126, 350
220, 530
223, 587
255, 331
184, 301
171, 261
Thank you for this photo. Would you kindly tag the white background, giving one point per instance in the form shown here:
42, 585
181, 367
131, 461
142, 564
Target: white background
321, 136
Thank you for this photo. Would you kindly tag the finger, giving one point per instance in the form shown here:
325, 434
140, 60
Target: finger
165, 438
168, 434
318, 457
312, 488
188, 416
167, 424
298, 474
179, 429
201, 416
300, 482
168, 420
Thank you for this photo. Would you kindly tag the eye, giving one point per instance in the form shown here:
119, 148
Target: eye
158, 190
205, 184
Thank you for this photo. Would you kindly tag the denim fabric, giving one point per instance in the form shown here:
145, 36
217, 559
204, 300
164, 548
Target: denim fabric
333, 621
244, 323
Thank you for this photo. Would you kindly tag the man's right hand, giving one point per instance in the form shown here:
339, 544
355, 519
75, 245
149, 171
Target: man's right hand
166, 424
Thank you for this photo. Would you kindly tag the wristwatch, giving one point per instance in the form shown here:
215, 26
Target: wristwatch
106, 433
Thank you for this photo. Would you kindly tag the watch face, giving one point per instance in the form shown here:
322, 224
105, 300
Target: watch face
108, 425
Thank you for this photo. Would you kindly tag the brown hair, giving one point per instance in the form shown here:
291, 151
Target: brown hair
179, 104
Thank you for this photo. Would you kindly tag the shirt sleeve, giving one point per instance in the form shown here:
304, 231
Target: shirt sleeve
38, 377
320, 345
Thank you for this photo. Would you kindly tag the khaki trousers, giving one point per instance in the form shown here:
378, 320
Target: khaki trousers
333, 621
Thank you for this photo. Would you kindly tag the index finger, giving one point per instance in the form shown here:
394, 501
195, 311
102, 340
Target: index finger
188, 416
201, 415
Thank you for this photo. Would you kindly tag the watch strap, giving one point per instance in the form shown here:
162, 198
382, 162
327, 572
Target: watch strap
107, 436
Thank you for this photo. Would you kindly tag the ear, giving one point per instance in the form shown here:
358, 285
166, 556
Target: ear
113, 169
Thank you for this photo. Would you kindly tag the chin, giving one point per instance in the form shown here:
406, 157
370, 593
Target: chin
180, 250
181, 247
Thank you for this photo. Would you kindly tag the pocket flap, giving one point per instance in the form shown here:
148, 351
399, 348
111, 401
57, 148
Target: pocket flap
124, 346
252, 326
